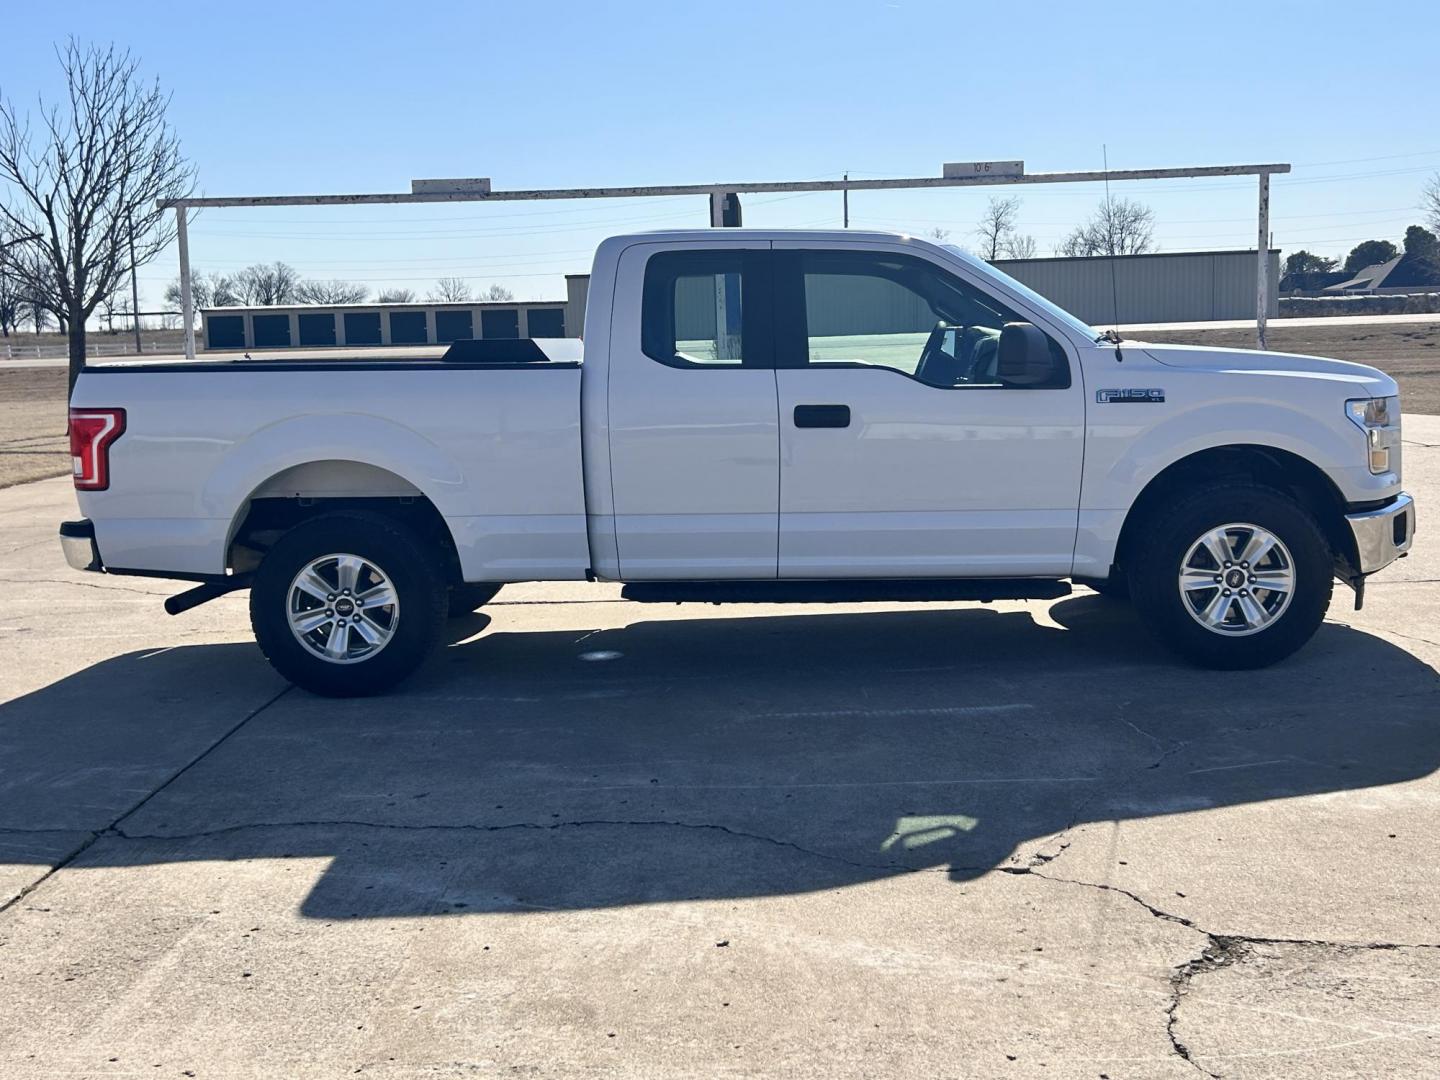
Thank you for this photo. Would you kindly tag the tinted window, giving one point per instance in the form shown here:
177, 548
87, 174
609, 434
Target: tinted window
902, 313
706, 309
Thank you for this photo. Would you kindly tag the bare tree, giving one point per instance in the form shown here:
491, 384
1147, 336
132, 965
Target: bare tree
12, 295
1430, 202
206, 291
1019, 247
450, 290
396, 296
90, 178
39, 299
333, 291
267, 284
996, 224
497, 293
1118, 227
116, 305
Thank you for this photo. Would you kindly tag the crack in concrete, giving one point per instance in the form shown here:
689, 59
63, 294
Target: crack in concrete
83, 585
228, 830
1219, 952
1409, 637
71, 856
80, 849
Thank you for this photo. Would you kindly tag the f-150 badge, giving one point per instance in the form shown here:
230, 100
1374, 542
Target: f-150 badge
1135, 397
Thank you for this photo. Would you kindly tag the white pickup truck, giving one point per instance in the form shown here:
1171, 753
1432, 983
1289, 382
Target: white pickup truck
758, 416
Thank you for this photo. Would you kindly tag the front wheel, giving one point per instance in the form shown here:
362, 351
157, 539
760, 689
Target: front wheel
347, 604
1232, 576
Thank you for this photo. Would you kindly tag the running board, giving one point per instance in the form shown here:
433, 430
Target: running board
843, 591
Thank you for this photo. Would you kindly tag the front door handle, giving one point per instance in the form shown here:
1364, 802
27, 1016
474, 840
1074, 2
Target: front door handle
812, 416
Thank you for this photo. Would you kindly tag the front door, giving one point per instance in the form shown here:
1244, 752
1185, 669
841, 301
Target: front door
905, 451
694, 433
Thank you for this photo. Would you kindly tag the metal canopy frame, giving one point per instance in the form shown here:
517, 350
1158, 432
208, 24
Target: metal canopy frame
478, 191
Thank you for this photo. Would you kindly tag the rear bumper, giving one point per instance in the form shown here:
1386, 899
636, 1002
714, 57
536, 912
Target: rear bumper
77, 541
1383, 535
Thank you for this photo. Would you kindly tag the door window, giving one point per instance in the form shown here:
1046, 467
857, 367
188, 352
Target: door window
706, 309
901, 313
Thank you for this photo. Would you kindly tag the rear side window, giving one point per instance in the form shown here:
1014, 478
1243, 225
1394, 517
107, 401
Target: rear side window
707, 309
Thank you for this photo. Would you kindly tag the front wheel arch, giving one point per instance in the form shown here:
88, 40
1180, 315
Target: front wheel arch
1248, 464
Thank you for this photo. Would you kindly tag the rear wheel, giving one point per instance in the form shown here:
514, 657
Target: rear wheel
470, 596
1232, 576
347, 604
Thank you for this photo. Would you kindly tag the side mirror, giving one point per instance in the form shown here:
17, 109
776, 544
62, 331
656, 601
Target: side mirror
1026, 359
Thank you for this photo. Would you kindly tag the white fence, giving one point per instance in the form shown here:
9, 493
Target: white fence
11, 351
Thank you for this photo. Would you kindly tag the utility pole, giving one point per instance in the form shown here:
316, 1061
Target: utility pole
845, 196
1262, 263
134, 288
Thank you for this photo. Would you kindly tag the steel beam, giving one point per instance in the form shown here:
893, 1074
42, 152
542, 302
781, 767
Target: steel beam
389, 198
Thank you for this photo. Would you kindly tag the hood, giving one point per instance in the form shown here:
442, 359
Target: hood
1353, 377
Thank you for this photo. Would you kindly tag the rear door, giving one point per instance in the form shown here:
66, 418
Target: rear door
901, 453
693, 422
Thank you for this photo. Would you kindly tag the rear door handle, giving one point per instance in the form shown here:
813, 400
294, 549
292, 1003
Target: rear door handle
811, 416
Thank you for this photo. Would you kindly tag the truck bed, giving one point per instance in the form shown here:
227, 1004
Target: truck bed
495, 447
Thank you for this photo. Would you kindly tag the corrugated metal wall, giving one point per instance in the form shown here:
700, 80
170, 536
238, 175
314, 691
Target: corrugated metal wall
1183, 287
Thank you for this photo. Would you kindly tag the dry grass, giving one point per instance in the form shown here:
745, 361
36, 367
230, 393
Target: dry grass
1410, 352
32, 400
33, 444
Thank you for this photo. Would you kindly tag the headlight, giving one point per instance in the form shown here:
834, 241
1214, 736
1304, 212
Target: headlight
1379, 419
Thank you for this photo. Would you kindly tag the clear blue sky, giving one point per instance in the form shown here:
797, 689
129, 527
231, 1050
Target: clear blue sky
363, 96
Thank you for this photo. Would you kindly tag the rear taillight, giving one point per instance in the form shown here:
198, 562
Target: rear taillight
91, 433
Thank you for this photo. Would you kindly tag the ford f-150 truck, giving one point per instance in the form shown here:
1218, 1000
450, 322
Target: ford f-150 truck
757, 416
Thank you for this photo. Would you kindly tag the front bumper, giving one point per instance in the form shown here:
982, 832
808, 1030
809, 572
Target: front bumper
1382, 536
77, 540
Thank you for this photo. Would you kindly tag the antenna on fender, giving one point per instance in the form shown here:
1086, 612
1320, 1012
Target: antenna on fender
1114, 334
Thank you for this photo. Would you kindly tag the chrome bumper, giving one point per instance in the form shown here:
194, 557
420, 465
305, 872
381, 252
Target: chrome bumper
1382, 536
77, 540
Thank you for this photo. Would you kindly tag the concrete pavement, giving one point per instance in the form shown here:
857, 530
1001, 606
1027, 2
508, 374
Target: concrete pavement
1004, 840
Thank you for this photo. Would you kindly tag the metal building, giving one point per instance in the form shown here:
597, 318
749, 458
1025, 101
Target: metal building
1184, 286
319, 325
1187, 286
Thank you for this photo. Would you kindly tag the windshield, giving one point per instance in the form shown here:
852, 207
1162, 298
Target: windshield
1056, 312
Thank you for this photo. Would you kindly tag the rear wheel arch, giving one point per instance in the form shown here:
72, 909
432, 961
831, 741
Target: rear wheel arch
1243, 464
300, 493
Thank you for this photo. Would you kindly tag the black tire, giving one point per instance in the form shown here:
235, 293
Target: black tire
1167, 537
414, 574
470, 596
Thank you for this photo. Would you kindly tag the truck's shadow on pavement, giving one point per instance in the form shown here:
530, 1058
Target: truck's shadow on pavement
704, 757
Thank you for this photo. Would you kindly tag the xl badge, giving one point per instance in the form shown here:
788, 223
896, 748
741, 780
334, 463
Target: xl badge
1121, 397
